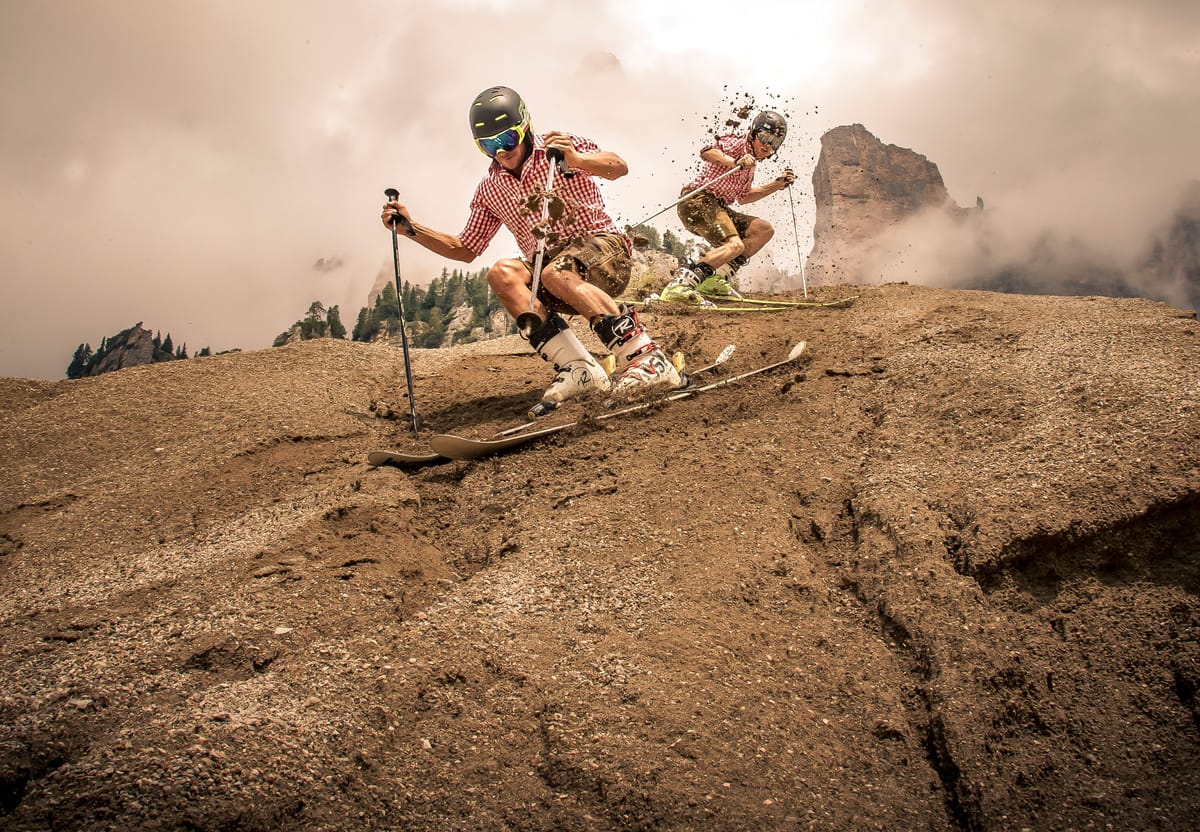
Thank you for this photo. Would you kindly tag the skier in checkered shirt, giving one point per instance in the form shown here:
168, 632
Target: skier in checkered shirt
588, 259
734, 237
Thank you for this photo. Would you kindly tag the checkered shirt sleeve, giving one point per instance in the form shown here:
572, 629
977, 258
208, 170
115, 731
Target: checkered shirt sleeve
732, 188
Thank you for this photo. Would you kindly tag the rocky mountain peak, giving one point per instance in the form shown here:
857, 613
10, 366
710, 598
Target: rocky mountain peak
863, 187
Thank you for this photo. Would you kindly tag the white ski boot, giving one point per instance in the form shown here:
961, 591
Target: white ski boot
642, 367
577, 372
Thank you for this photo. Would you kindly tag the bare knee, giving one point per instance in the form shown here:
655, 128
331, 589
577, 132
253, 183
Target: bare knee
760, 230
507, 274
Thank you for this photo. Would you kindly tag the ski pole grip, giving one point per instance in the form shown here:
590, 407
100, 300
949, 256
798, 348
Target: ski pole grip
556, 156
392, 194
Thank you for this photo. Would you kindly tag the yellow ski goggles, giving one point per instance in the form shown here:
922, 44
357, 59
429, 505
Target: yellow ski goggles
506, 140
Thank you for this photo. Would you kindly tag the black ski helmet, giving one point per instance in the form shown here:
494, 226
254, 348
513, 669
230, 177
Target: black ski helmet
495, 110
773, 125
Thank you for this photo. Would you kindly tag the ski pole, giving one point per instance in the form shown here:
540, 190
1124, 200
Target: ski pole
527, 322
689, 194
392, 194
796, 234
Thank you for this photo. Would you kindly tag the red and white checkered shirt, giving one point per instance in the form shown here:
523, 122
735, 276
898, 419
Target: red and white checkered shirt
504, 199
733, 187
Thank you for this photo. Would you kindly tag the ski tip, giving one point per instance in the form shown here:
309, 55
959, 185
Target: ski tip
796, 350
541, 409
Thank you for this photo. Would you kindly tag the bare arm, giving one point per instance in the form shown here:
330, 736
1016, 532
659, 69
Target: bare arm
719, 157
778, 184
439, 242
603, 163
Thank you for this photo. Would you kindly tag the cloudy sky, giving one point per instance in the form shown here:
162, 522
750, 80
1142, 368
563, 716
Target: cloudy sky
211, 168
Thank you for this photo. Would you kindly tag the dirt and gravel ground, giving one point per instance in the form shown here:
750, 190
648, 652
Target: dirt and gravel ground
941, 576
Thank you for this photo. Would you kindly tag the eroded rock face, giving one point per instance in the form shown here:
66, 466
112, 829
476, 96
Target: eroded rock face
863, 187
130, 348
383, 277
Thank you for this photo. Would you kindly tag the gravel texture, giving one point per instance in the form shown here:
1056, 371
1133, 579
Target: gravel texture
943, 575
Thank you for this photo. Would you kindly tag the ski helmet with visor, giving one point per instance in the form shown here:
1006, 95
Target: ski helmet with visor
499, 120
770, 128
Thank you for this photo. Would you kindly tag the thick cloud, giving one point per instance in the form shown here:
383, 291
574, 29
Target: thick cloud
211, 168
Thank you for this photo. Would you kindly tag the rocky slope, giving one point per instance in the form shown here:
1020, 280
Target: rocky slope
942, 576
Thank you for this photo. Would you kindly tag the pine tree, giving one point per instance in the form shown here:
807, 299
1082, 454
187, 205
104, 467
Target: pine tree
435, 333
432, 297
479, 293
385, 306
455, 294
412, 301
81, 362
360, 332
386, 311
313, 324
333, 318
